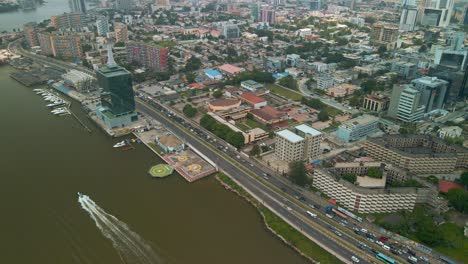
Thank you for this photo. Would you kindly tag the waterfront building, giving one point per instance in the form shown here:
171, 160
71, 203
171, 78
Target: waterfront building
148, 55
121, 32
102, 26
81, 81
289, 146
77, 6
357, 128
419, 154
302, 144
370, 200
30, 33
69, 21
117, 108
61, 45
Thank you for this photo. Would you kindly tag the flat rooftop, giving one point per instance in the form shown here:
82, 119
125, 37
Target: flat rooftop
308, 130
289, 136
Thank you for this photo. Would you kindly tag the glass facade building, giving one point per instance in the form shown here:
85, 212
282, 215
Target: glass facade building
117, 93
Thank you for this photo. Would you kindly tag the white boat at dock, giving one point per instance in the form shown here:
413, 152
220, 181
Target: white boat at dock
120, 144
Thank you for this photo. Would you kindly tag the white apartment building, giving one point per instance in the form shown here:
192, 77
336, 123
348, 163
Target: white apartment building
302, 144
409, 105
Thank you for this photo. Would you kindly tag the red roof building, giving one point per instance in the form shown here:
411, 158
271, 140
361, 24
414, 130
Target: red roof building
254, 100
268, 115
445, 186
230, 69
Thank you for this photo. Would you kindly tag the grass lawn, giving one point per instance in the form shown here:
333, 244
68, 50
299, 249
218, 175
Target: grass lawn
242, 127
166, 44
458, 243
297, 239
295, 96
332, 111
254, 124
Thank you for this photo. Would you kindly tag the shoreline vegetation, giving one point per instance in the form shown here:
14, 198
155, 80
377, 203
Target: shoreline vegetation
290, 236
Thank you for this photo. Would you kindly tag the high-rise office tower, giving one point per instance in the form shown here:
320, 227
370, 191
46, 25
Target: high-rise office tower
124, 4
77, 6
409, 15
436, 13
30, 32
102, 26
410, 108
255, 12
433, 91
115, 82
268, 15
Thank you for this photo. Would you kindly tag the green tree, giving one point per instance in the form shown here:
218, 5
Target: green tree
86, 47
374, 173
217, 94
288, 82
408, 128
381, 50
458, 198
236, 139
464, 179
298, 173
119, 44
193, 64
351, 177
189, 110
256, 150
323, 116
190, 77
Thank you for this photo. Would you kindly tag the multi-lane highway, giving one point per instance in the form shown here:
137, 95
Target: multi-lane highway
287, 209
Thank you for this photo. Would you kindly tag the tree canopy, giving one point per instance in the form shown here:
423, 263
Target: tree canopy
298, 173
189, 110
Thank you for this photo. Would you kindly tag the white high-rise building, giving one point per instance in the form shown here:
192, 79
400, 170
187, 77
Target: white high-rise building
77, 6
409, 105
102, 26
409, 15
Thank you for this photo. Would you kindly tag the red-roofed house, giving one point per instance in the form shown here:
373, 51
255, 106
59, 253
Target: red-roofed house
268, 115
254, 100
230, 69
195, 86
445, 186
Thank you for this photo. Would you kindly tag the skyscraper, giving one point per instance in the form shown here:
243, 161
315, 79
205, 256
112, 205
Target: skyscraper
102, 26
436, 13
77, 6
117, 96
433, 91
268, 15
124, 4
409, 15
409, 105
30, 32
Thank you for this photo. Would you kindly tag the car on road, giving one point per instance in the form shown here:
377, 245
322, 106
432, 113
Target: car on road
329, 216
338, 234
354, 259
301, 198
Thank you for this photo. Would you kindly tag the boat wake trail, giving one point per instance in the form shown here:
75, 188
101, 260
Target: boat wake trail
131, 247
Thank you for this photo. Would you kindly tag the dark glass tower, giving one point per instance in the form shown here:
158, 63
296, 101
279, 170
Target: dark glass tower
115, 83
